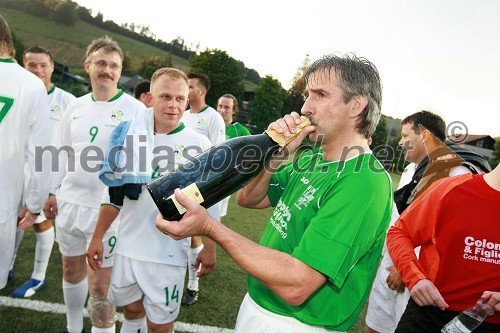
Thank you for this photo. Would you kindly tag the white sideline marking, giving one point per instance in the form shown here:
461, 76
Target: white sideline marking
41, 306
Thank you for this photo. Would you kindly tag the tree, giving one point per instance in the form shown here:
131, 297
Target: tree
495, 158
127, 64
224, 72
382, 147
65, 13
296, 91
145, 67
19, 47
268, 103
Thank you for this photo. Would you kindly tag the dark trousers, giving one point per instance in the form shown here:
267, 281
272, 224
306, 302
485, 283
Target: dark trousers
430, 319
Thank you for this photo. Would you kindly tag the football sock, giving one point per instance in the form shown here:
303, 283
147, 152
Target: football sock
193, 279
43, 249
103, 330
75, 296
134, 325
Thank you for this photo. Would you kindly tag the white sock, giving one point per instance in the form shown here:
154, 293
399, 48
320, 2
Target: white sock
193, 279
75, 296
19, 238
103, 330
134, 325
43, 249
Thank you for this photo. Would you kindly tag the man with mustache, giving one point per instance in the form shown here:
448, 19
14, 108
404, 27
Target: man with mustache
86, 127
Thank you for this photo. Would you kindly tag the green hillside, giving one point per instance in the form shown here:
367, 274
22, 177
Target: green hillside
68, 44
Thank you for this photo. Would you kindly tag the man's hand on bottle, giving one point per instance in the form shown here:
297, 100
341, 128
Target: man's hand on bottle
195, 222
493, 298
288, 126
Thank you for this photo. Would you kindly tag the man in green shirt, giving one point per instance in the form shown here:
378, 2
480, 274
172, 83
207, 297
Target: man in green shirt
319, 253
227, 106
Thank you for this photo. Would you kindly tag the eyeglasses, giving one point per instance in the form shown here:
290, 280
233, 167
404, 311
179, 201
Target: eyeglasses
101, 64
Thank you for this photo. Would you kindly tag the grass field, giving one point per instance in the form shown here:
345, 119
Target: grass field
220, 296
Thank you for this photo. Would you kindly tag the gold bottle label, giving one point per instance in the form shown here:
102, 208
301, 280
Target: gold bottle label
193, 193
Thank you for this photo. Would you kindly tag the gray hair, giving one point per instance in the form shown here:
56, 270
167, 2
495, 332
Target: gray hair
357, 77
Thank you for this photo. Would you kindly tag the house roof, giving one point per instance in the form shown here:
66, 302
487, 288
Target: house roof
471, 137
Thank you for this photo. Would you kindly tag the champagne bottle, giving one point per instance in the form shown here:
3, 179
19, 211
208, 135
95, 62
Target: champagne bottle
469, 319
217, 172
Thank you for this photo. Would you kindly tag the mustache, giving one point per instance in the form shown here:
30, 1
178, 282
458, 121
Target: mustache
105, 76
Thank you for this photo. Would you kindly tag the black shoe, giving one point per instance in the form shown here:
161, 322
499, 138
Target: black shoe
190, 297
83, 331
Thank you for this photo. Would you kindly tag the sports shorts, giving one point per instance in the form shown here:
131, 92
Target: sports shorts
385, 306
160, 284
253, 318
75, 226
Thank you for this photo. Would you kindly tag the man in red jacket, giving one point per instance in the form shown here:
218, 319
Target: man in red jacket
456, 224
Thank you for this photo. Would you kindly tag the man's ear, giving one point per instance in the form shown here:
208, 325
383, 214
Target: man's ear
149, 98
86, 65
359, 103
426, 134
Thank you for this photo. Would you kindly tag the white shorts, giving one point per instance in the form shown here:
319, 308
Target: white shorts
161, 285
7, 243
252, 318
386, 306
74, 228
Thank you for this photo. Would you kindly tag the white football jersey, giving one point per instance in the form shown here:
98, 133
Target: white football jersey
86, 129
58, 102
24, 120
208, 122
138, 237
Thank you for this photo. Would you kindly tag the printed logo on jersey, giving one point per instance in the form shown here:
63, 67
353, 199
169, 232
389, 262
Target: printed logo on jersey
55, 112
481, 250
280, 218
116, 116
201, 123
170, 162
179, 155
306, 197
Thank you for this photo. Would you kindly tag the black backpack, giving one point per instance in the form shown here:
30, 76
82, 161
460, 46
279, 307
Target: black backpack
477, 162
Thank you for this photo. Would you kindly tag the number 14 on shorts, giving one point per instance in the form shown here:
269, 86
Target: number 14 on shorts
171, 294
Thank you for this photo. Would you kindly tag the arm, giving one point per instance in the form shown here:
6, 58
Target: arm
107, 214
254, 195
286, 276
401, 249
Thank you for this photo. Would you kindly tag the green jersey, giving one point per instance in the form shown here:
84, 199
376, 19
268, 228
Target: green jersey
235, 130
333, 217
